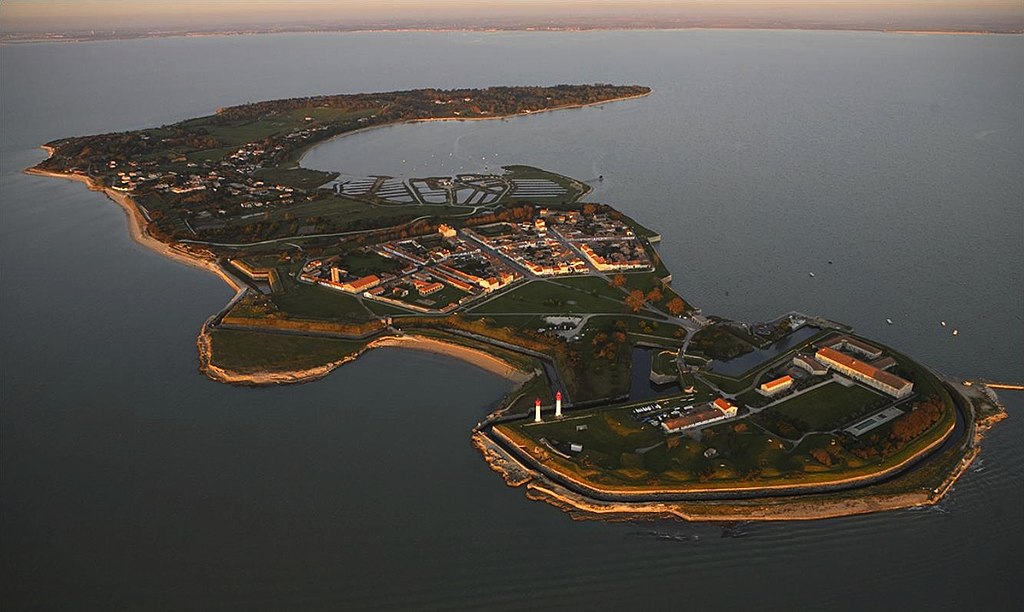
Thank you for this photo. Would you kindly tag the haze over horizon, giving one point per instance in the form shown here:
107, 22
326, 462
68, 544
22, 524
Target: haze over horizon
57, 15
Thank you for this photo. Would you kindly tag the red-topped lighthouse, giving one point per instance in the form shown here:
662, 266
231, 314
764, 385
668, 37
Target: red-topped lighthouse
536, 411
558, 404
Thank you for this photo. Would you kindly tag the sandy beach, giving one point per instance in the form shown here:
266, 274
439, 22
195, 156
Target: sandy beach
257, 378
476, 357
137, 227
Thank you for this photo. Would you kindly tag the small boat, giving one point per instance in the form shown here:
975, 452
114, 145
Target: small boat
956, 332
889, 321
943, 323
812, 274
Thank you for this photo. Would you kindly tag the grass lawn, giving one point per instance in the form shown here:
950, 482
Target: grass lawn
246, 351
608, 435
594, 285
665, 363
538, 386
829, 406
303, 301
362, 264
542, 296
299, 178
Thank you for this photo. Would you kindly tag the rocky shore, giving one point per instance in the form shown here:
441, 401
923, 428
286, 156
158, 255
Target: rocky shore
540, 487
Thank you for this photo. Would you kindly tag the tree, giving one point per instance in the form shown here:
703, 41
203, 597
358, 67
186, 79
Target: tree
654, 295
619, 280
676, 306
821, 456
635, 300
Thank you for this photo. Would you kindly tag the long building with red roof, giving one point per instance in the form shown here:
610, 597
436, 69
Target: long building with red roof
865, 372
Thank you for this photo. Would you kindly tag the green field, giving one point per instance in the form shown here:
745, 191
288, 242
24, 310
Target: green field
303, 301
664, 363
830, 406
299, 178
552, 297
359, 263
609, 434
247, 351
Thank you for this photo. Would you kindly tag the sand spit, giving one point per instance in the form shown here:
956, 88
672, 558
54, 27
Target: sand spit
259, 378
476, 357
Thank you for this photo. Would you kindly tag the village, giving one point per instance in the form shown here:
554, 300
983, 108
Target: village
441, 272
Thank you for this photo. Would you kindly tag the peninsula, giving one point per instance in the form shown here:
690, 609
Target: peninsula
628, 400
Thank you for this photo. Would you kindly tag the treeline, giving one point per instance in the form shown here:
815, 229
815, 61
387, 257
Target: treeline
903, 430
422, 103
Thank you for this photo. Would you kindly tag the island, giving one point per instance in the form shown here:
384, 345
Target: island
628, 401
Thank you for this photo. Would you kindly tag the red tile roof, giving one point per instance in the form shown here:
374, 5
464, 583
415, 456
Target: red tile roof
864, 368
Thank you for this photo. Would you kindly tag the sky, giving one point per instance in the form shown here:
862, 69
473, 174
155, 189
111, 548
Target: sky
21, 15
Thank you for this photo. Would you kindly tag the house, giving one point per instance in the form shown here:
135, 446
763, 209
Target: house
426, 287
361, 284
774, 387
728, 410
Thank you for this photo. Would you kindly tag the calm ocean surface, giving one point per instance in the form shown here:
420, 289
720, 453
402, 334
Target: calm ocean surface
129, 481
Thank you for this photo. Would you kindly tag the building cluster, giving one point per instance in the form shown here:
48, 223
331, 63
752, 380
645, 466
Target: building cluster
426, 266
572, 242
327, 273
846, 356
676, 419
609, 245
475, 262
702, 416
529, 245
233, 176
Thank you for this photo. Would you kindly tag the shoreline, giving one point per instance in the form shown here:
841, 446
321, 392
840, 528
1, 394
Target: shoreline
137, 226
261, 378
781, 490
298, 162
816, 506
579, 507
504, 454
495, 30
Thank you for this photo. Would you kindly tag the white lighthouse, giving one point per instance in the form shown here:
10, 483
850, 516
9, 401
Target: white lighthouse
536, 411
558, 404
